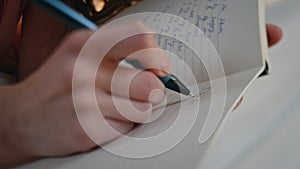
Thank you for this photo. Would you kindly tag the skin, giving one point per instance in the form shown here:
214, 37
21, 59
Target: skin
43, 93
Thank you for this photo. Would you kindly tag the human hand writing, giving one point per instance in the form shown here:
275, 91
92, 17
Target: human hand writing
45, 124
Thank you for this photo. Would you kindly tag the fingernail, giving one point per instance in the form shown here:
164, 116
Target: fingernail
142, 106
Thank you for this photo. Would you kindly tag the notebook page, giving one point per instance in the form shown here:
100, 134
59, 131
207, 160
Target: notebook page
236, 39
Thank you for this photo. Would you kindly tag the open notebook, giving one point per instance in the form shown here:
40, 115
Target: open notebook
233, 30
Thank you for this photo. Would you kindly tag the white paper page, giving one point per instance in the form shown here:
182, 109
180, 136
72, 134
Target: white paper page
235, 27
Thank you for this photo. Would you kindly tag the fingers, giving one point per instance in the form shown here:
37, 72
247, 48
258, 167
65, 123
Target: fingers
82, 128
100, 132
110, 131
144, 49
121, 109
113, 107
117, 118
119, 127
130, 83
92, 132
274, 34
119, 42
114, 83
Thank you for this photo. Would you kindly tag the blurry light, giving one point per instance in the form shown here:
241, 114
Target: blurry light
98, 5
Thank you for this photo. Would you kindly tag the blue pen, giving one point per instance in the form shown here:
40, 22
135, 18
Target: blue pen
63, 12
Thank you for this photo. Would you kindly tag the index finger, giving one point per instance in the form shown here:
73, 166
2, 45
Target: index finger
116, 43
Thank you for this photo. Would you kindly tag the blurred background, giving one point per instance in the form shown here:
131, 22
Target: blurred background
264, 132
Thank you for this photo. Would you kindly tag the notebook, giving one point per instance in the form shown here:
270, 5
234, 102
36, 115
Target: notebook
218, 48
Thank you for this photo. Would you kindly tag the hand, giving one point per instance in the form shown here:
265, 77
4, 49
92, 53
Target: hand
274, 34
38, 117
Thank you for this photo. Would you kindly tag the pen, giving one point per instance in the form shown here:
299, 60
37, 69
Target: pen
63, 12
